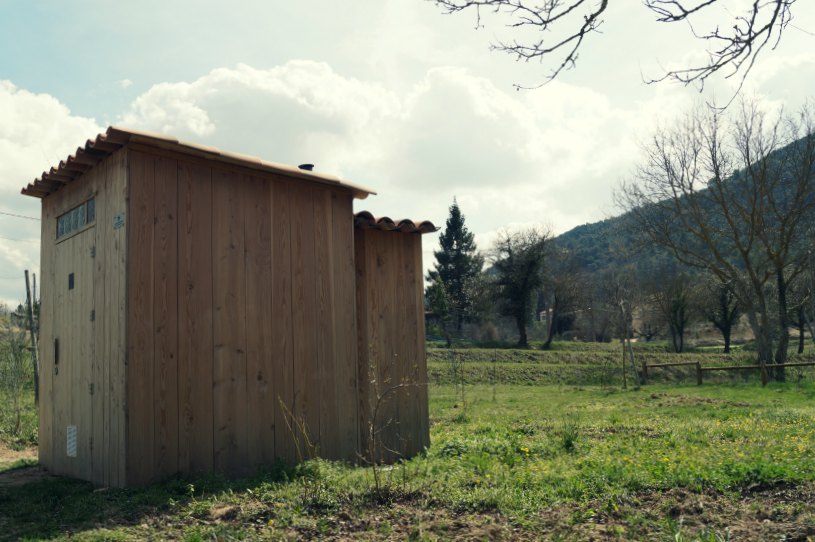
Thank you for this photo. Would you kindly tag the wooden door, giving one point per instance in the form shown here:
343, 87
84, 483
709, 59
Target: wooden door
73, 351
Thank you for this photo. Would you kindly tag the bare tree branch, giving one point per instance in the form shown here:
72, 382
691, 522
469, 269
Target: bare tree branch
543, 17
735, 45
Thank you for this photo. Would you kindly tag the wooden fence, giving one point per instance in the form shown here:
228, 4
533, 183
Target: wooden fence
700, 371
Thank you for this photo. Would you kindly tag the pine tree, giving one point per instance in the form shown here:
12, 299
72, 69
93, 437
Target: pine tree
457, 264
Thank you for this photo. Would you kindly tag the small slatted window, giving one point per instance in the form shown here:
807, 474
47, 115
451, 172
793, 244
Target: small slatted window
76, 218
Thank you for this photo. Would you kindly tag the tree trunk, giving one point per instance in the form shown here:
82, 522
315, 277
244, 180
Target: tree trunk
676, 339
800, 323
522, 342
761, 331
801, 339
726, 335
783, 326
551, 335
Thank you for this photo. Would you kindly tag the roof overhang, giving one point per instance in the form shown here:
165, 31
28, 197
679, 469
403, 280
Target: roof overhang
367, 221
95, 150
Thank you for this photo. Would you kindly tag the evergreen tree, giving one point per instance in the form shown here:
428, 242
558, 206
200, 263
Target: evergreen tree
457, 264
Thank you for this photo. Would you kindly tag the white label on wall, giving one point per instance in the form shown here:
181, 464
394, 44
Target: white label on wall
71, 448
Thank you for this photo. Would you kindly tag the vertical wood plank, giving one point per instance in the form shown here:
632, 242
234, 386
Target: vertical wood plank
364, 372
100, 413
47, 301
61, 381
325, 324
64, 378
260, 369
345, 326
195, 377
165, 318
282, 330
84, 295
140, 330
402, 299
387, 415
304, 317
116, 303
229, 324
415, 373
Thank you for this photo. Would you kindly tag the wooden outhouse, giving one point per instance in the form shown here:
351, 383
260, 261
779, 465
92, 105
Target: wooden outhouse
204, 310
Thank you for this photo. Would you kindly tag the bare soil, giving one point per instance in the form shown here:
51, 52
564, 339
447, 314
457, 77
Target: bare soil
22, 475
780, 512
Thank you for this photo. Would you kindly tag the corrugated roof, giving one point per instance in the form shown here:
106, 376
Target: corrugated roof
368, 221
115, 138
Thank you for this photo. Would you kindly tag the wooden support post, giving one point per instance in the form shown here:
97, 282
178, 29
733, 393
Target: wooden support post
698, 374
764, 376
625, 379
644, 371
35, 361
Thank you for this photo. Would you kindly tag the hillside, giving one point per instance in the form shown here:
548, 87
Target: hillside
612, 243
601, 246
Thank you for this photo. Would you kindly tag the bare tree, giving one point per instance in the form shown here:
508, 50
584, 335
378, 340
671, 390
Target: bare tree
518, 262
799, 304
733, 197
620, 291
671, 292
721, 308
561, 26
561, 290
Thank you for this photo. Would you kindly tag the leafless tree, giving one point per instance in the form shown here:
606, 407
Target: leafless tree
671, 293
620, 292
735, 197
561, 27
720, 307
799, 304
562, 289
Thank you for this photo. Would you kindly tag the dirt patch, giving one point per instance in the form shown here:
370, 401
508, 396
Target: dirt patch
668, 400
9, 455
770, 513
223, 513
20, 475
411, 522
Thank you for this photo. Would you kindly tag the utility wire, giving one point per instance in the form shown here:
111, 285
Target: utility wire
19, 216
21, 240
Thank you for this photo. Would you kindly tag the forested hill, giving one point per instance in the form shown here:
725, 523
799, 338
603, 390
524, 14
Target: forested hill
611, 244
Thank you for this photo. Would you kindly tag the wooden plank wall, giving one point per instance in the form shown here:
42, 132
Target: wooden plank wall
88, 389
241, 318
393, 396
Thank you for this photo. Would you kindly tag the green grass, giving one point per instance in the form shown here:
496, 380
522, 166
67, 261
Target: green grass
27, 433
513, 460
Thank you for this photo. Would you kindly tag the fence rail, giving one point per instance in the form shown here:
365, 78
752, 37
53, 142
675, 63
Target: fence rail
701, 370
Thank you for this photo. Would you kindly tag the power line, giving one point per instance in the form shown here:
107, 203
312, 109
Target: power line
21, 240
19, 216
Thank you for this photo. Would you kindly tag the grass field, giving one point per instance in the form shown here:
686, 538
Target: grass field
548, 446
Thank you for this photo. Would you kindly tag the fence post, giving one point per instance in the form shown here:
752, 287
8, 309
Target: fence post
698, 374
35, 355
764, 378
644, 371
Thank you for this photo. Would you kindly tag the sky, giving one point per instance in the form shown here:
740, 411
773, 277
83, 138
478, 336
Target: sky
391, 94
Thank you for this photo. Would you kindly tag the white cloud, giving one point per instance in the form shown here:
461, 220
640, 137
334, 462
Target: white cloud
124, 83
548, 157
36, 133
